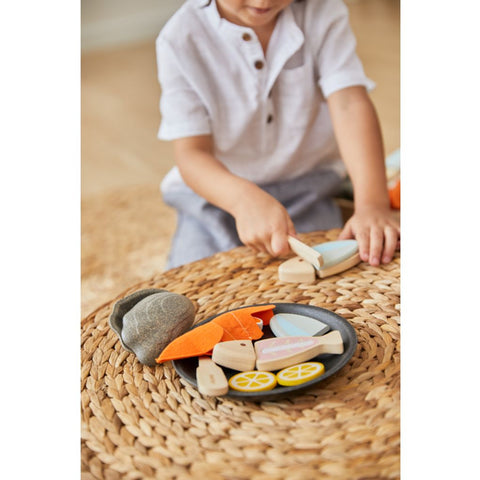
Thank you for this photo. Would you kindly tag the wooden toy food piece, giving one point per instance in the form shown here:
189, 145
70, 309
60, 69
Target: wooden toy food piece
236, 354
328, 258
195, 343
253, 381
336, 251
281, 352
296, 270
240, 324
306, 252
294, 325
339, 267
298, 374
338, 256
211, 379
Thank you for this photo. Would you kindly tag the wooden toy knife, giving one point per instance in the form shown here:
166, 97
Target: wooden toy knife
304, 251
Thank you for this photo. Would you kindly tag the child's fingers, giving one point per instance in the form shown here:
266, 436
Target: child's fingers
253, 240
279, 244
291, 228
376, 246
256, 246
347, 232
390, 244
363, 239
278, 241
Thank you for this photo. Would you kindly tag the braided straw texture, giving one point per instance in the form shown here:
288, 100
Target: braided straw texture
143, 422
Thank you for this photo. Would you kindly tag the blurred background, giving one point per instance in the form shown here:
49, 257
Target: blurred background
126, 229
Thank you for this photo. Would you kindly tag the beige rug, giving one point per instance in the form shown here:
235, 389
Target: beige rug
125, 239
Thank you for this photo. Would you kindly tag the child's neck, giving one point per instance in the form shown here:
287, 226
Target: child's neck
264, 33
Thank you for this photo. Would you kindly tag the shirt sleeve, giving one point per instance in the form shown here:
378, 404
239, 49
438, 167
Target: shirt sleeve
338, 64
182, 111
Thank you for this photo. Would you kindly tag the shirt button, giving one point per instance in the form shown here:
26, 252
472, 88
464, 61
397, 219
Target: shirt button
258, 64
270, 118
247, 37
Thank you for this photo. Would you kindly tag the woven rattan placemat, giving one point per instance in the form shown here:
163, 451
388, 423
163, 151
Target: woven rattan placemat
143, 422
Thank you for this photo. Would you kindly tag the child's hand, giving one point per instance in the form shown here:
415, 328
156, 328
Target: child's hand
377, 232
263, 223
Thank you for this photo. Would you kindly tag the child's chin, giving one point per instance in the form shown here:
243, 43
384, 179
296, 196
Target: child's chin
258, 18
257, 22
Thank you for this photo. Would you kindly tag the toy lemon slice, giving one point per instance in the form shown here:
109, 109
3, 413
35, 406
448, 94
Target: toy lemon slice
253, 381
301, 373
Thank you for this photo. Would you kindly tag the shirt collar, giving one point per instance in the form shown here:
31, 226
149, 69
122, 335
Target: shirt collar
287, 34
211, 12
224, 26
286, 23
286, 39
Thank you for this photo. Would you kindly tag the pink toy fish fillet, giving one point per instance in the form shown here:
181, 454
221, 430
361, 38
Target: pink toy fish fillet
281, 352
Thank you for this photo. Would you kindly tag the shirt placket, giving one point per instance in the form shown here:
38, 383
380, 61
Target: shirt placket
257, 61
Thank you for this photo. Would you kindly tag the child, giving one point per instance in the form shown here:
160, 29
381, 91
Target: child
263, 99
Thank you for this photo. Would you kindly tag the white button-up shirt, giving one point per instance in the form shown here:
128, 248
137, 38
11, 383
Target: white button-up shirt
267, 113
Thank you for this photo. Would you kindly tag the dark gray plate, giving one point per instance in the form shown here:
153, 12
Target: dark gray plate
186, 367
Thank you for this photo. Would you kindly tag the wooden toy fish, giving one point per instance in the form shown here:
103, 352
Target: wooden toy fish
338, 256
339, 267
236, 354
294, 325
330, 258
296, 270
281, 352
336, 251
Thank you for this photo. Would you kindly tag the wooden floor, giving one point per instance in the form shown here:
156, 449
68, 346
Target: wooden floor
125, 227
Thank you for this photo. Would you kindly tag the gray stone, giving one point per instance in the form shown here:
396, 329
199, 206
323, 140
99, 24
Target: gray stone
148, 320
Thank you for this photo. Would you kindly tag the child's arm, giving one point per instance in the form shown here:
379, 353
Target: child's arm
262, 222
359, 138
